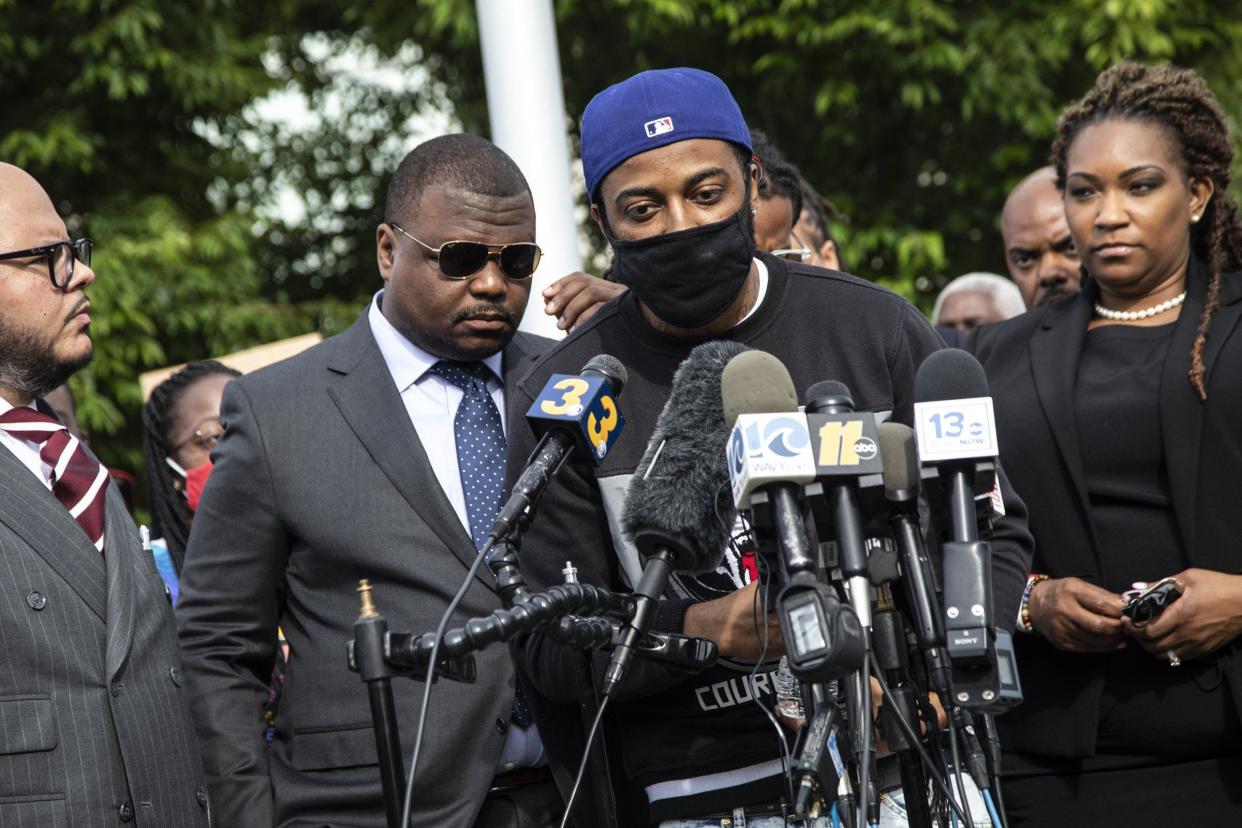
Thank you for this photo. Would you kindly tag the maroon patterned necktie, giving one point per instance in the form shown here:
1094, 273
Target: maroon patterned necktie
79, 482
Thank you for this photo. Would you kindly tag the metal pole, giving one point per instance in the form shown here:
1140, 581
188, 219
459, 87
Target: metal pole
526, 107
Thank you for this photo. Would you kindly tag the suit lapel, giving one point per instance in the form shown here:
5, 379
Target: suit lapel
120, 548
371, 405
1055, 349
30, 510
1181, 412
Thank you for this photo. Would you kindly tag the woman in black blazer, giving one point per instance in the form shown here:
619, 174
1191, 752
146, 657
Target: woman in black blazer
1120, 424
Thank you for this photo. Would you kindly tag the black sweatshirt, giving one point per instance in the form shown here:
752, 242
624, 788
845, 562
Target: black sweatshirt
822, 325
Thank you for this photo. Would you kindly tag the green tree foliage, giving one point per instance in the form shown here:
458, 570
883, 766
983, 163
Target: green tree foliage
112, 105
143, 120
915, 117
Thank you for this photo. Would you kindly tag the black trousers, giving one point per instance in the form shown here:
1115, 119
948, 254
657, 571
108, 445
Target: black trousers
537, 805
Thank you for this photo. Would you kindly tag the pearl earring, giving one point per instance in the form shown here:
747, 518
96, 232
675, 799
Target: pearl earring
1195, 219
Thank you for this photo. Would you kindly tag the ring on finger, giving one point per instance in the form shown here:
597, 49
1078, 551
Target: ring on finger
1174, 661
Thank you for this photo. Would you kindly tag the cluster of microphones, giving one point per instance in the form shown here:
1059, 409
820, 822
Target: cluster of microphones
837, 501
818, 480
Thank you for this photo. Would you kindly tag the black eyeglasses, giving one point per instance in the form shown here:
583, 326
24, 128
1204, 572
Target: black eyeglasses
463, 259
60, 258
206, 435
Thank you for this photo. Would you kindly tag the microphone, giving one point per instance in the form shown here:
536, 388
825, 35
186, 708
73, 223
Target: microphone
769, 459
846, 454
901, 490
570, 412
957, 435
769, 450
678, 509
770, 447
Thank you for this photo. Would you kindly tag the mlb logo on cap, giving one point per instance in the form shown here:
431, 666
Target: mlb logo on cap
659, 126
698, 103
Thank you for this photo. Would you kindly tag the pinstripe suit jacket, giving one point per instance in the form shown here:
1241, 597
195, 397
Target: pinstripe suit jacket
94, 727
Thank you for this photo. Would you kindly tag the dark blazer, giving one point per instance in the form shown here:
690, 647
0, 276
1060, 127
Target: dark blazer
95, 728
1031, 363
320, 480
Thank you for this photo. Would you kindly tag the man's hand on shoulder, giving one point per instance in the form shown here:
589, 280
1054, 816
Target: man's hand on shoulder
575, 298
736, 624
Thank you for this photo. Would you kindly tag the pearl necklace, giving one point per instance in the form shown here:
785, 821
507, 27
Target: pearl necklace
1130, 316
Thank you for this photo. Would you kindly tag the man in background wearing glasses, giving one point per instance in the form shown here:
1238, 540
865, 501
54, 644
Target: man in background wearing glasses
377, 454
96, 728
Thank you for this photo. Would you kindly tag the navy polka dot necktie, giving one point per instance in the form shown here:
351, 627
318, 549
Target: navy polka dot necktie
480, 437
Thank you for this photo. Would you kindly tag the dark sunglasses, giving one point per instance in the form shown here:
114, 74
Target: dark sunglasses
60, 257
463, 259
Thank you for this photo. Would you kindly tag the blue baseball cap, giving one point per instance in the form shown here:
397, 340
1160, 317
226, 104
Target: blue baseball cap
653, 109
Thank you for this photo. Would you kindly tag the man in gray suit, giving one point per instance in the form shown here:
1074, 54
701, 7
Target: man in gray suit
377, 454
94, 728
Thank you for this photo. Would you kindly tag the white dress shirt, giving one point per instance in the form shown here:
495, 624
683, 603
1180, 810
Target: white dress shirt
431, 401
25, 450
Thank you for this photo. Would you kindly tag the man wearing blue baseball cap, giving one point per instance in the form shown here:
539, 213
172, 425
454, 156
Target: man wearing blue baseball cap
667, 159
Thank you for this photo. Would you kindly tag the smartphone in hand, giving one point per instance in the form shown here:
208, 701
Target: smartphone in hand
1145, 606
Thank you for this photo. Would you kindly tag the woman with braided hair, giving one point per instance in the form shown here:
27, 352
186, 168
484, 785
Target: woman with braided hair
1119, 413
180, 427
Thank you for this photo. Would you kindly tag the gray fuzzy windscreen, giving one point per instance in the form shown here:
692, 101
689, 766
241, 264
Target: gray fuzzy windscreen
681, 485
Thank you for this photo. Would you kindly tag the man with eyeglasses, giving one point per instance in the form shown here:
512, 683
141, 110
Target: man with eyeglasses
96, 728
377, 454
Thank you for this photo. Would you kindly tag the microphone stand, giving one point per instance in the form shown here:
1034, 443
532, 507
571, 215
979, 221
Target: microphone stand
368, 650
378, 654
804, 593
888, 638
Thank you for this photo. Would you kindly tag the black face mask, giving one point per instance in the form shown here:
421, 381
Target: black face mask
690, 277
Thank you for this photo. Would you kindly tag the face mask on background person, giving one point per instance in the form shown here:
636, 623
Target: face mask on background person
195, 480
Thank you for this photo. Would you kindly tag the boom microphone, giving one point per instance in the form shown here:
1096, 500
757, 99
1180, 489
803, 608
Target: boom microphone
679, 495
570, 411
678, 509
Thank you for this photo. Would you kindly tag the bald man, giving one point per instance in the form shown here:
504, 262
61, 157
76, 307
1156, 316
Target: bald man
1039, 252
94, 727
